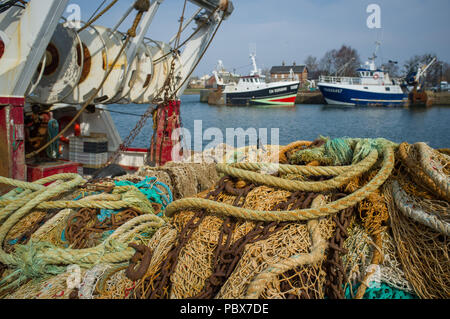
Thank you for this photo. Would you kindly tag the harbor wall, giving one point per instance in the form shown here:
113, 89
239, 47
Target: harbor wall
310, 98
439, 98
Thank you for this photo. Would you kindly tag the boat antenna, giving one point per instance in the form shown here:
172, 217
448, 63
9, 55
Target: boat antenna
374, 56
252, 49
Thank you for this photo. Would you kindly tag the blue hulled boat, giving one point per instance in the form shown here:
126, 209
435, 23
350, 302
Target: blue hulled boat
373, 86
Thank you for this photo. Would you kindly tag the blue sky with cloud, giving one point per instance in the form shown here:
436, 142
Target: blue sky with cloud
290, 30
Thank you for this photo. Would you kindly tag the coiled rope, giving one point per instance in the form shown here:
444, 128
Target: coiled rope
39, 258
295, 215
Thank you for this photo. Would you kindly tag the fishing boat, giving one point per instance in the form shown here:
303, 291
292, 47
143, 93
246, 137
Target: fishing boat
255, 90
373, 86
59, 75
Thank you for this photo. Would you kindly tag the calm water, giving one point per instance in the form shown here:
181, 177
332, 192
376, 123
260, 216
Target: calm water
305, 122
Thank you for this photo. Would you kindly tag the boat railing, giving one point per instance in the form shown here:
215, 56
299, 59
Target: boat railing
340, 80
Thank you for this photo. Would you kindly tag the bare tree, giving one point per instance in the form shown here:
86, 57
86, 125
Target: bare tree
326, 64
347, 61
312, 64
344, 61
392, 68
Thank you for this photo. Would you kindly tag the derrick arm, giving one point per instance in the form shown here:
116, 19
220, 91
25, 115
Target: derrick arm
196, 46
27, 33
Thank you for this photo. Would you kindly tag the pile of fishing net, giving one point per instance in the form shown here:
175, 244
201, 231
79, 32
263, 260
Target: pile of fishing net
184, 179
72, 231
333, 218
317, 228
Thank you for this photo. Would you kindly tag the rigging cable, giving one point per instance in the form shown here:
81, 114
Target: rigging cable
4, 6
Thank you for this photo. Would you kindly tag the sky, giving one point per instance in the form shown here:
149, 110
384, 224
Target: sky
290, 30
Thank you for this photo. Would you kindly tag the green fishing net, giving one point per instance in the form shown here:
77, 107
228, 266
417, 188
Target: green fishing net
380, 291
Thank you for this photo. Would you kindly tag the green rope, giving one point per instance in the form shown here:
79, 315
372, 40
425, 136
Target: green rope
53, 148
341, 151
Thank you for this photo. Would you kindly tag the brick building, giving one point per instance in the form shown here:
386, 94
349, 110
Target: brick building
284, 71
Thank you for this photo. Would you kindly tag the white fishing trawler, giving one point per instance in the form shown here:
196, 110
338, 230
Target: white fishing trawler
255, 90
54, 75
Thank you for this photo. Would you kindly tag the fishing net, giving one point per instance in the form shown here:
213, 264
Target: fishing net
22, 231
219, 257
390, 244
427, 168
56, 287
116, 285
381, 291
423, 252
224, 153
184, 179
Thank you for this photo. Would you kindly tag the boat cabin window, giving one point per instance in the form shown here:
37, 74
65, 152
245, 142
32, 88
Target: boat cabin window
388, 89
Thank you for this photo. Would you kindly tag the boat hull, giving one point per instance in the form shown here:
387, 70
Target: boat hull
348, 96
284, 95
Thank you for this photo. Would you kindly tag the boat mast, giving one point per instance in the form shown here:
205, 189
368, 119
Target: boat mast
372, 65
255, 70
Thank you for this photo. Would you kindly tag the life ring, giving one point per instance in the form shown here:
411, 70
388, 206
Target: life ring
376, 76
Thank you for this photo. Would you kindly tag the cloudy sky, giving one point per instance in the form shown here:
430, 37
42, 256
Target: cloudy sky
290, 30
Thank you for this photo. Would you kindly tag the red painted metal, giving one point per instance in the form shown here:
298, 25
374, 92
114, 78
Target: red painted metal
12, 100
12, 163
38, 171
140, 150
17, 143
168, 120
2, 48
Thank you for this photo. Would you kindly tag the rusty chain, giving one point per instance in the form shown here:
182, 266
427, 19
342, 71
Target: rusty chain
334, 268
84, 226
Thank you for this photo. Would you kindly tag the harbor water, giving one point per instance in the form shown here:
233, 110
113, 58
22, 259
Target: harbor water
304, 122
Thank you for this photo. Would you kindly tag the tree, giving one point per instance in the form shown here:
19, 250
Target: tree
312, 64
342, 62
326, 64
392, 68
347, 61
